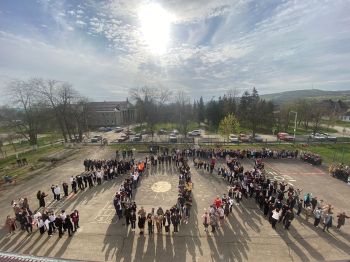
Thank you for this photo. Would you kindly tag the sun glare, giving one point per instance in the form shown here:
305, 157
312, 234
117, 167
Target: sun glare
155, 27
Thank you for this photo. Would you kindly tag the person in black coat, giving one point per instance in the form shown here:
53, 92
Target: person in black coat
65, 188
141, 223
289, 216
42, 199
69, 225
59, 225
175, 220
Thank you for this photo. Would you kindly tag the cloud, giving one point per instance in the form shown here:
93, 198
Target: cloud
80, 22
215, 45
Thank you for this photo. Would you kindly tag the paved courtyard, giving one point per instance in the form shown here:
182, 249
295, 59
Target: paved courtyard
246, 235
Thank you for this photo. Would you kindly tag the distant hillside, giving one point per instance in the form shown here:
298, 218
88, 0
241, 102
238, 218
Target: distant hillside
308, 94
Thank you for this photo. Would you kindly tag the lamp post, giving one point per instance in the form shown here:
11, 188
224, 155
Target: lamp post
295, 122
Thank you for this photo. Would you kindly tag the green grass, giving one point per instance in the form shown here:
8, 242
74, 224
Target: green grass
8, 165
302, 131
24, 145
342, 123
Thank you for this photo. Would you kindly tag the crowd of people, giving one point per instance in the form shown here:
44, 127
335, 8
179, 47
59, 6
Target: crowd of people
46, 220
311, 158
279, 202
341, 172
161, 218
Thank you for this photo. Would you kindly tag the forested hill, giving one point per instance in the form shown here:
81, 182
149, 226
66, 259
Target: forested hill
307, 94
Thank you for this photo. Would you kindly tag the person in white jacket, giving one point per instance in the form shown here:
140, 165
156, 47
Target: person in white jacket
276, 214
57, 191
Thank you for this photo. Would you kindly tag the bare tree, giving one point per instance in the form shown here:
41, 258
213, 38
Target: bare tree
66, 104
30, 110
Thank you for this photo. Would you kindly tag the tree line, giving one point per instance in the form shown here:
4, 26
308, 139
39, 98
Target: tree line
44, 105
39, 105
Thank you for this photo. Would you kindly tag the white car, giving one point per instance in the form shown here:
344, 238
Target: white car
233, 138
318, 136
194, 133
172, 138
329, 137
175, 132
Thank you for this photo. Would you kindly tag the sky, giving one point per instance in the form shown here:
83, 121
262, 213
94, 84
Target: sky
201, 47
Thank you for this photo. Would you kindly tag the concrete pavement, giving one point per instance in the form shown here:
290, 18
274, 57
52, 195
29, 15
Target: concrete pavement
245, 236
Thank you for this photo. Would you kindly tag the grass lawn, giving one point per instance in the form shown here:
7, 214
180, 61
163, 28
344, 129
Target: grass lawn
342, 123
24, 145
302, 131
8, 165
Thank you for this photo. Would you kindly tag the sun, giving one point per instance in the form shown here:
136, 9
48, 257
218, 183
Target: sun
155, 27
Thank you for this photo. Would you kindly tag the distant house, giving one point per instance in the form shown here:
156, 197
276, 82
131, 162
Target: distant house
107, 114
345, 117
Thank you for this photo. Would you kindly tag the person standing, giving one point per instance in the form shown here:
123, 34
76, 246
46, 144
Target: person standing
133, 220
150, 224
10, 224
308, 212
57, 191
276, 213
328, 221
65, 188
167, 221
59, 225
141, 223
300, 206
53, 191
206, 221
52, 227
69, 225
28, 222
341, 219
175, 220
288, 217
42, 199
318, 215
75, 219
213, 222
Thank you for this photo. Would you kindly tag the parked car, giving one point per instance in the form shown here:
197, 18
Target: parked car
118, 129
123, 138
244, 138
233, 138
129, 132
285, 136
194, 133
162, 132
96, 139
136, 138
318, 137
175, 132
107, 129
257, 138
330, 137
172, 138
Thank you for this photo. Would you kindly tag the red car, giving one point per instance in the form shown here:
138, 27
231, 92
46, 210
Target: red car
285, 136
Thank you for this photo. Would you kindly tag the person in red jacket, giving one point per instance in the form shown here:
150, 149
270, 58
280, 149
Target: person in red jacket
75, 219
217, 202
